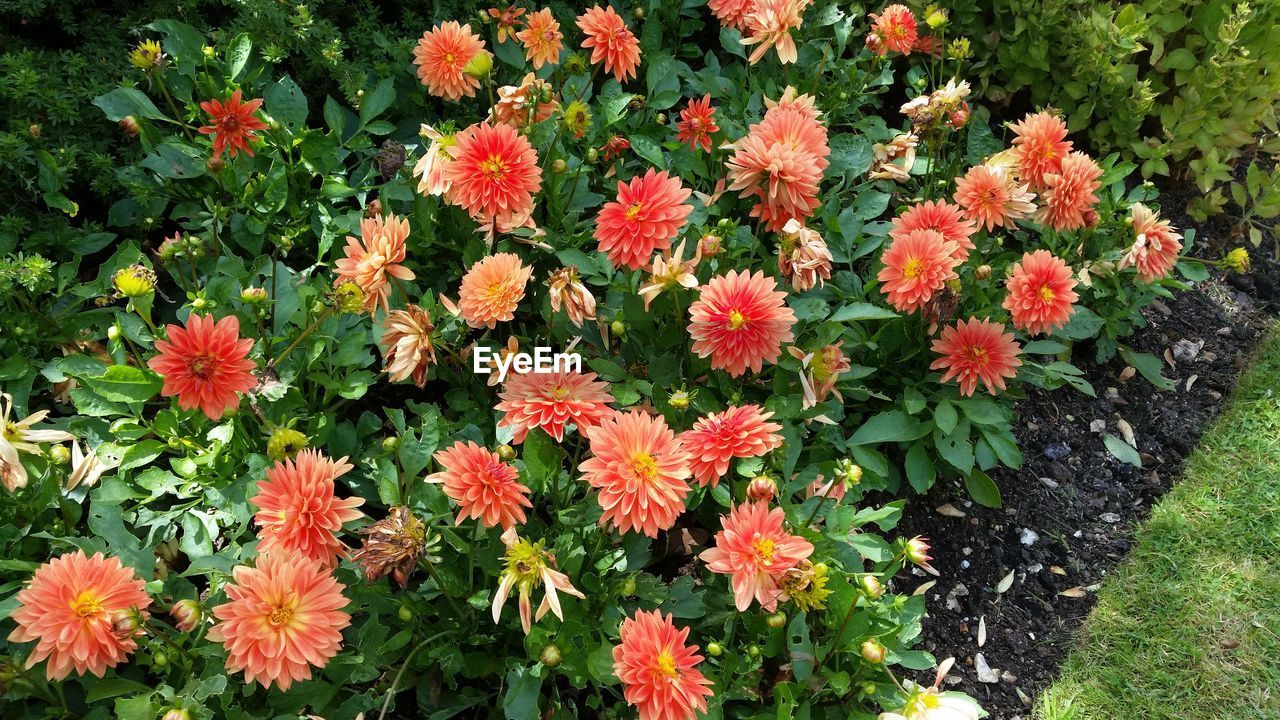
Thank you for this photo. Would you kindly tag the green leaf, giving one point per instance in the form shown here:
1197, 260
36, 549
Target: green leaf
870, 204
141, 454
112, 687
862, 311
372, 104
238, 55
520, 702
1083, 325
850, 154
125, 383
286, 102
889, 426
981, 143
945, 416
1193, 271
919, 466
123, 102
542, 458
1147, 364
1122, 450
800, 648
176, 161
648, 149
982, 489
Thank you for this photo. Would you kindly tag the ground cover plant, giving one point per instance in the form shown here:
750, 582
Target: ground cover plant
280, 441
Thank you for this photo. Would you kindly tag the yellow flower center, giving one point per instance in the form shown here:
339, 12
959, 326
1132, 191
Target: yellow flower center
280, 615
978, 356
764, 549
559, 392
500, 294
736, 320
644, 466
913, 269
87, 605
525, 561
634, 211
1046, 294
493, 168
448, 57
202, 366
11, 431
666, 664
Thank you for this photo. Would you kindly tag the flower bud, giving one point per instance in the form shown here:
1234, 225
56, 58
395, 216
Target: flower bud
389, 444
285, 443
709, 245
753, 650
628, 587
480, 65
113, 333
777, 620
559, 165
130, 126
872, 651
186, 615
550, 656
126, 624
871, 587
592, 155
208, 51
868, 688
724, 223
679, 400
715, 649
849, 471
134, 281
1238, 260
982, 272
762, 488
506, 453
618, 328
215, 164
160, 660
935, 17
405, 613
638, 12
176, 714
34, 131
662, 118
917, 551
60, 455
254, 295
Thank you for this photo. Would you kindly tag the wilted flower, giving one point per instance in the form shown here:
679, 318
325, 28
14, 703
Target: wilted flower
532, 101
87, 469
529, 566
803, 256
374, 258
806, 584
408, 350
232, 124
394, 545
577, 118
820, 371
284, 443
670, 270
926, 112
20, 436
1237, 260
893, 160
566, 290
932, 704
134, 281
959, 49
508, 19
348, 298
977, 351
187, 615
431, 168
613, 148
541, 39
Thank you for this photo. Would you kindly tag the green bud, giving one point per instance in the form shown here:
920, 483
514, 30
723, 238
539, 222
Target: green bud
389, 444
59, 454
715, 649
405, 613
550, 656
777, 620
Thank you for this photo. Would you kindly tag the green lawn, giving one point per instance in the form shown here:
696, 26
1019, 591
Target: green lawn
1189, 627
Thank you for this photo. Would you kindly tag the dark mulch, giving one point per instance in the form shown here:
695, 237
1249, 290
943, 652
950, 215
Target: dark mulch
1070, 511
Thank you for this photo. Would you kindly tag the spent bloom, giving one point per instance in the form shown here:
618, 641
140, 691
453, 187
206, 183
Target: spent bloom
917, 265
990, 196
641, 471
206, 364
806, 585
86, 468
565, 290
374, 258
83, 611
232, 124
1156, 245
610, 41
551, 401
442, 55
1039, 146
756, 551
433, 179
541, 38
1237, 259
1041, 294
507, 19
408, 350
803, 256
492, 289
21, 436
577, 118
741, 321
281, 618
285, 442
738, 432
976, 351
147, 55
299, 513
893, 160
485, 487
658, 670
930, 703
820, 371
697, 124
894, 29
494, 174
529, 566
670, 270
769, 24
394, 545
532, 101
648, 212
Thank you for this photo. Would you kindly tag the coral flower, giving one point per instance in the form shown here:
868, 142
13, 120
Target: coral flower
977, 350
894, 29
941, 216
280, 619
697, 124
609, 40
205, 364
658, 670
530, 566
781, 161
731, 13
740, 320
84, 611
989, 196
649, 212
484, 487
406, 337
738, 432
917, 265
442, 55
1040, 293
298, 513
641, 470
1155, 249
755, 550
1069, 193
551, 400
374, 258
1039, 147
769, 24
232, 124
532, 101
541, 38
492, 289
494, 173
508, 20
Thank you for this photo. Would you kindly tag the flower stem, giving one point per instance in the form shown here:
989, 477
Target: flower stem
298, 340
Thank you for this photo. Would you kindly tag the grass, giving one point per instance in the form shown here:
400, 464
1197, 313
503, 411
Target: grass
1189, 626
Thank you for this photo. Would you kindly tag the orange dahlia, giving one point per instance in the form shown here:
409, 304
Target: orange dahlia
755, 551
1069, 193
281, 618
895, 30
697, 124
1039, 147
731, 13
374, 258
205, 364
609, 40
781, 161
408, 348
769, 24
484, 487
917, 265
989, 196
532, 101
1155, 247
442, 55
232, 124
738, 432
507, 20
551, 400
941, 216
1040, 293
541, 38
641, 470
658, 670
298, 512
649, 212
740, 320
492, 289
977, 350
84, 611
494, 173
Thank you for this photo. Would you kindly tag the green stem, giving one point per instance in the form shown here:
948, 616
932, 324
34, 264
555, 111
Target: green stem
405, 666
298, 340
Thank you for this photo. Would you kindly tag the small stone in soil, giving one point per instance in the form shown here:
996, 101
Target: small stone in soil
1057, 451
1028, 537
1049, 483
1109, 518
984, 671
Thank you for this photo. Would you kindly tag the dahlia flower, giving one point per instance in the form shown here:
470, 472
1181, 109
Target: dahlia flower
895, 30
374, 258
641, 471
989, 196
741, 321
528, 566
610, 41
431, 167
731, 13
940, 216
394, 545
1069, 193
232, 124
917, 265
492, 289
484, 487
507, 20
977, 351
781, 161
84, 612
930, 703
648, 213
532, 101
718, 438
803, 256
670, 270
893, 160
20, 436
205, 364
442, 55
806, 585
697, 124
1039, 147
408, 350
281, 618
541, 38
494, 173
298, 512
820, 371
658, 670
1155, 247
755, 550
769, 24
551, 400
565, 290
1040, 293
